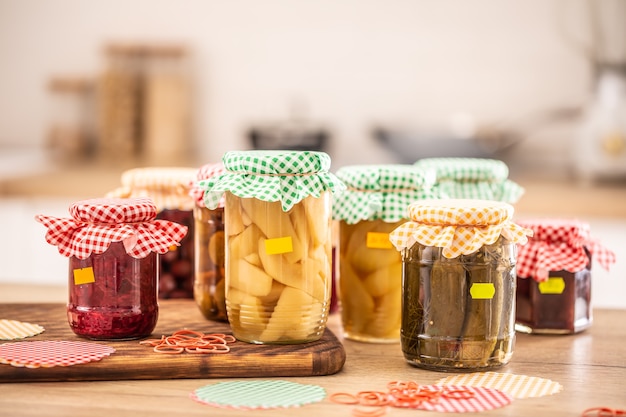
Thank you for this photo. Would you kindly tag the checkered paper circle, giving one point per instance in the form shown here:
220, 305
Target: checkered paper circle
472, 178
380, 192
49, 353
518, 386
559, 244
97, 223
168, 187
267, 394
459, 226
285, 176
15, 329
204, 172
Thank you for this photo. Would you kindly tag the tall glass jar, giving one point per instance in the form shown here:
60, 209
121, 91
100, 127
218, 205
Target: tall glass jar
113, 247
169, 189
370, 269
554, 277
278, 243
458, 294
210, 248
474, 178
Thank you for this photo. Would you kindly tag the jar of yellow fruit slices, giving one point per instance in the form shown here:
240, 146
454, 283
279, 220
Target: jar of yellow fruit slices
278, 243
458, 295
369, 267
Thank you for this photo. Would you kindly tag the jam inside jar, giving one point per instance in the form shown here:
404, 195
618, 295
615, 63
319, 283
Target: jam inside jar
113, 296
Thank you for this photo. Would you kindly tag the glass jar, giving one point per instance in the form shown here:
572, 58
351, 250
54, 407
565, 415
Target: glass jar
458, 284
169, 189
113, 295
554, 277
473, 178
370, 269
113, 247
209, 278
278, 243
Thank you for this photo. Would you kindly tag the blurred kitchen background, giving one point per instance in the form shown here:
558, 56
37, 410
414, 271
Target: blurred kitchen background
91, 88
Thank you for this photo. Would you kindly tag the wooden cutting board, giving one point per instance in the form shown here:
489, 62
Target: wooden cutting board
134, 361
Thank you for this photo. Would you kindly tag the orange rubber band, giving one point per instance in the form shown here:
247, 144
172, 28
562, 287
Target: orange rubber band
343, 398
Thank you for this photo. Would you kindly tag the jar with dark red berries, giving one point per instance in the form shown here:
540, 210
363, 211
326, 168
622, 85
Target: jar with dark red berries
113, 246
169, 188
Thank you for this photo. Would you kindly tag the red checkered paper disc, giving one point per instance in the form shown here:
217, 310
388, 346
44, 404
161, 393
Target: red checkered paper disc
49, 353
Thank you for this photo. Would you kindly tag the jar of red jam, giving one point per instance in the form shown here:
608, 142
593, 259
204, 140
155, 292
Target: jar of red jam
169, 189
113, 247
554, 276
209, 241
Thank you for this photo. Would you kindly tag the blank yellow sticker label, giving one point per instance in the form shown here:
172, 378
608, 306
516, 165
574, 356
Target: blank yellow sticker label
554, 285
278, 245
376, 240
84, 276
482, 291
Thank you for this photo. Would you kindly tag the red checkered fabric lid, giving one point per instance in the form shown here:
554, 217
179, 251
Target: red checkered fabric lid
205, 172
559, 244
97, 223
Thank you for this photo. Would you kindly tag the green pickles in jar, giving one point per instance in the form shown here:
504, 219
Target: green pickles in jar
458, 313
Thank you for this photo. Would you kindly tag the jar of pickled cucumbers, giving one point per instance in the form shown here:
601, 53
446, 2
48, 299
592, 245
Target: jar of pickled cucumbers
554, 276
458, 289
209, 241
169, 189
474, 178
113, 247
278, 243
370, 268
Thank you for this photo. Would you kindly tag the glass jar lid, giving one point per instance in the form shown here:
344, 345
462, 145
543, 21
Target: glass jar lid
168, 187
459, 226
476, 178
559, 244
382, 192
96, 223
285, 176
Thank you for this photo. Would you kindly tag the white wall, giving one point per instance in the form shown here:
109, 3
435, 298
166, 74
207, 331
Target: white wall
354, 62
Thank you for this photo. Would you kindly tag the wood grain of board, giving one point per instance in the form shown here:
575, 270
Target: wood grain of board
133, 361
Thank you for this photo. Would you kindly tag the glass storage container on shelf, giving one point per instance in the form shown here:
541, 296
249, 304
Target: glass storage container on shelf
278, 243
169, 189
474, 178
458, 285
369, 268
113, 247
554, 276
209, 268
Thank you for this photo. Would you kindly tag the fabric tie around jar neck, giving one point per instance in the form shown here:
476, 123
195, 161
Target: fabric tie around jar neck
285, 176
459, 226
559, 244
96, 223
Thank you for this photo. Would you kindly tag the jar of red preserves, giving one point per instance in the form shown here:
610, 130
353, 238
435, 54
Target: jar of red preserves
553, 293
113, 247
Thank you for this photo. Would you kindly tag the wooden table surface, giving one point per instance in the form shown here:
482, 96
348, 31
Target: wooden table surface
591, 367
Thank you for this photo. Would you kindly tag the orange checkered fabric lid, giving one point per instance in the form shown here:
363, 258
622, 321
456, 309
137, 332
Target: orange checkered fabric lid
459, 226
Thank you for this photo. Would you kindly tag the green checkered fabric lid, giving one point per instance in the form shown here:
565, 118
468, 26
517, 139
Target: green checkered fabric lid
381, 192
285, 176
474, 178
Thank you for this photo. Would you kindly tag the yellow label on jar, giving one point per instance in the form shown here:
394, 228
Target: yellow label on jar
482, 291
377, 240
554, 285
278, 245
84, 276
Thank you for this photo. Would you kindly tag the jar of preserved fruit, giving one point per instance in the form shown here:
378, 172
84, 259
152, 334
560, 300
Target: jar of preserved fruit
473, 178
113, 247
209, 241
458, 293
278, 243
370, 269
554, 276
169, 189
